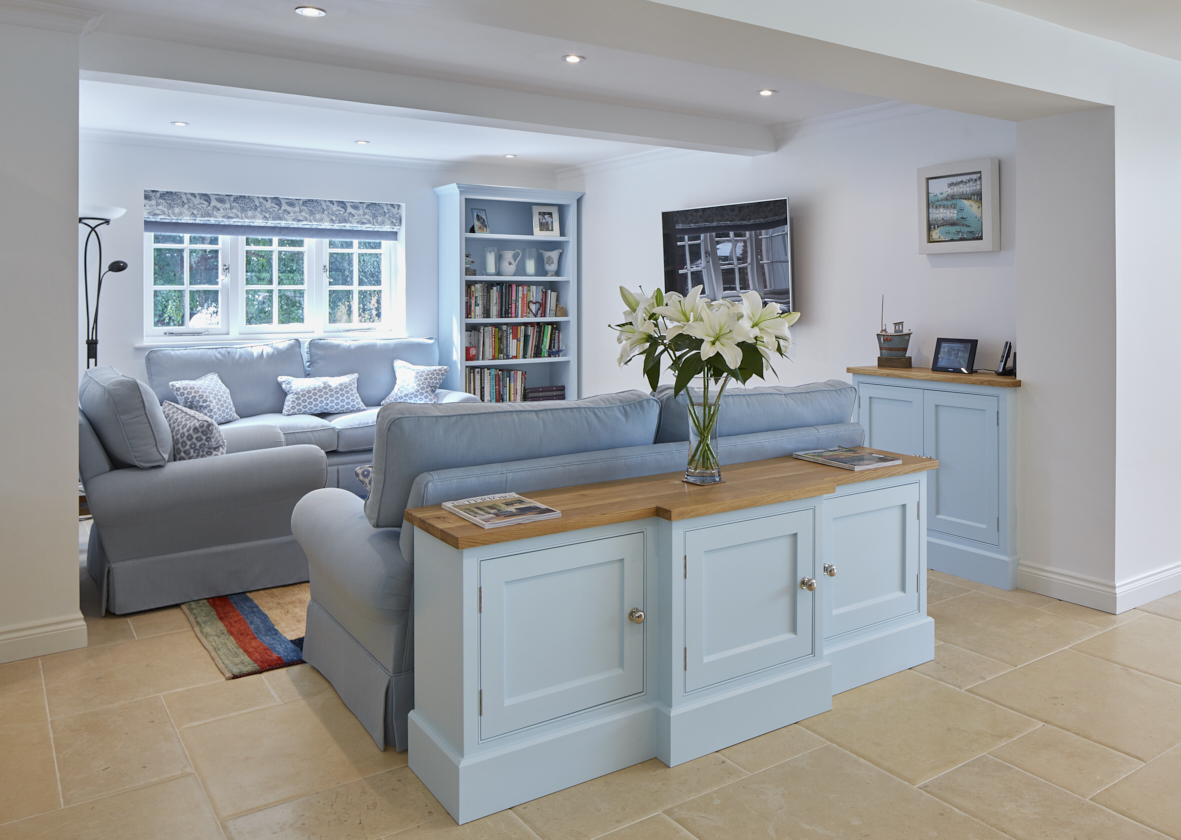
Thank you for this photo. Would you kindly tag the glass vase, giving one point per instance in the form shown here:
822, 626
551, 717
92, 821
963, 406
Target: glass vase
704, 466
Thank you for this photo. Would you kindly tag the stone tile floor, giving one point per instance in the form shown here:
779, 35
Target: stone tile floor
1036, 719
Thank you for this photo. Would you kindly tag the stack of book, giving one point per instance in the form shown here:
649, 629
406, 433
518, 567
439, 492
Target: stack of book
545, 392
496, 384
510, 300
520, 341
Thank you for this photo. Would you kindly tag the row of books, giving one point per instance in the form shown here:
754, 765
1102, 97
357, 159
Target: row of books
519, 341
496, 384
510, 300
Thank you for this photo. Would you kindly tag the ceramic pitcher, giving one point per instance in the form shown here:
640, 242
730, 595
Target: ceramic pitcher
508, 263
551, 261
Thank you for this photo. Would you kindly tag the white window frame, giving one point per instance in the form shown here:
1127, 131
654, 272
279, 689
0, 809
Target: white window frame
388, 268
150, 288
239, 249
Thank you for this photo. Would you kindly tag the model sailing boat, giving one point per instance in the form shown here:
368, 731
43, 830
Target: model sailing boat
893, 346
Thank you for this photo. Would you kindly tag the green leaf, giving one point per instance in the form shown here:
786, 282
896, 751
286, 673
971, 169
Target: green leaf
652, 356
690, 366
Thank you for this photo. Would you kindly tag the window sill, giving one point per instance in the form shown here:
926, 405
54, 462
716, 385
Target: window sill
243, 340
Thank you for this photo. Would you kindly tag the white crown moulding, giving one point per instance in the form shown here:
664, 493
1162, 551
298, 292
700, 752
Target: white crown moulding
48, 16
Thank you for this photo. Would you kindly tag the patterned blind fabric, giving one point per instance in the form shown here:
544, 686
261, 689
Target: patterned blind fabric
167, 211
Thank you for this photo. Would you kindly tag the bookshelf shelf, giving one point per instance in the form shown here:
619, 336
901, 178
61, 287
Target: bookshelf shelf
507, 209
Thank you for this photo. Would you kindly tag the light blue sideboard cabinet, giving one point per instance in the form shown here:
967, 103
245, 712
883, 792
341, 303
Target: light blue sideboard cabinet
967, 422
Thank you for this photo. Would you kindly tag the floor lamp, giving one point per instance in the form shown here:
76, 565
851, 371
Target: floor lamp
93, 218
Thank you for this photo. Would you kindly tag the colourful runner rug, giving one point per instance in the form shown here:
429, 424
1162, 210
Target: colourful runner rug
252, 632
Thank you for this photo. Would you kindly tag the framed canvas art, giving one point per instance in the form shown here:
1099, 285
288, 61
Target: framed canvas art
959, 207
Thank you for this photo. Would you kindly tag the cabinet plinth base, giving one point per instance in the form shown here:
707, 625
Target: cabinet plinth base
978, 564
860, 658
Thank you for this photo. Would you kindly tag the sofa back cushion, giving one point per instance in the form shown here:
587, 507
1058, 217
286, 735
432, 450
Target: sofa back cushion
413, 438
251, 373
126, 417
372, 359
763, 409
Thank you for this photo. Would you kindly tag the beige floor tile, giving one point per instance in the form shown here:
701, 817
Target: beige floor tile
1005, 631
1081, 766
773, 748
1168, 606
115, 749
202, 703
159, 622
659, 827
389, 802
1151, 645
1017, 596
940, 590
28, 776
22, 675
1090, 616
1027, 808
503, 826
296, 683
260, 758
1150, 795
172, 810
618, 799
915, 727
107, 630
1133, 713
80, 680
961, 668
826, 793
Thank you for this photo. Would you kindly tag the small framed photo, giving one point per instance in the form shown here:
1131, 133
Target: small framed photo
954, 355
479, 220
959, 207
545, 221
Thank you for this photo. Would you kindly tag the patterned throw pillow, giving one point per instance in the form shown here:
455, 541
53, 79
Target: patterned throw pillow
416, 383
321, 394
193, 434
207, 395
365, 476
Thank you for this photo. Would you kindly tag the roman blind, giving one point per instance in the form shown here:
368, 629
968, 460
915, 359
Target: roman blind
168, 211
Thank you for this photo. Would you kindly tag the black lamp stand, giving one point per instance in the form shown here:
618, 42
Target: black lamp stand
93, 224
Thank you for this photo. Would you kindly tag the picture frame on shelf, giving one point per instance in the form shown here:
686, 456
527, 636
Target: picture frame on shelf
480, 220
959, 207
954, 355
545, 221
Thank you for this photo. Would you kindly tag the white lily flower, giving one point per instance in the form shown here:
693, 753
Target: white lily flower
767, 322
720, 332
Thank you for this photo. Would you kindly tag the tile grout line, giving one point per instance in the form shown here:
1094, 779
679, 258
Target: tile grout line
52, 744
1130, 772
270, 688
1128, 667
189, 759
750, 773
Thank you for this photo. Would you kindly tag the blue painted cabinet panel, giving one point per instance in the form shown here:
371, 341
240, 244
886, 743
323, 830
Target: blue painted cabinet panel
873, 541
554, 631
744, 607
893, 418
961, 430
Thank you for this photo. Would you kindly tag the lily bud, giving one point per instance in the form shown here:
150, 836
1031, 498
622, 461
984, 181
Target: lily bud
629, 299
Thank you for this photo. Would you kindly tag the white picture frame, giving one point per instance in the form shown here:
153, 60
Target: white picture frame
545, 221
959, 208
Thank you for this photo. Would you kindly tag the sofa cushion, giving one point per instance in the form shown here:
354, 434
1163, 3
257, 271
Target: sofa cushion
127, 418
251, 372
412, 438
206, 395
372, 359
354, 431
763, 409
299, 428
416, 383
193, 434
321, 394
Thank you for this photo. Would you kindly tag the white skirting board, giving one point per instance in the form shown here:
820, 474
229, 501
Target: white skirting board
39, 638
1100, 594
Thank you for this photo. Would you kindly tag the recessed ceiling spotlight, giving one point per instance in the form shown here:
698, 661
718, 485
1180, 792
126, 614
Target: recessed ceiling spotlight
767, 92
361, 142
309, 11
573, 59
510, 156
179, 123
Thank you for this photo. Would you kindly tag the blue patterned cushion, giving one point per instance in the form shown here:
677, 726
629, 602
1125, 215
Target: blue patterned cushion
193, 434
365, 476
207, 395
416, 383
321, 395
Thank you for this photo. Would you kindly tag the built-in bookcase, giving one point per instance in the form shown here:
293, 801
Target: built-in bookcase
509, 217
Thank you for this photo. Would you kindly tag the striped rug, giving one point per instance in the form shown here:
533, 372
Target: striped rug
252, 632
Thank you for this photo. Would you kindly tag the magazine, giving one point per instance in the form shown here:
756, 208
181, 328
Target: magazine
500, 509
847, 458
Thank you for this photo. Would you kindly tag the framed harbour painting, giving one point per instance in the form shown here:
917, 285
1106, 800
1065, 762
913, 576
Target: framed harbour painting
959, 207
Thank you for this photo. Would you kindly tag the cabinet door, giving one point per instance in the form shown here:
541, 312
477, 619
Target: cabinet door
554, 631
893, 418
744, 608
873, 540
963, 494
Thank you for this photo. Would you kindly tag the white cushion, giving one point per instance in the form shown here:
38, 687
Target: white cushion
321, 394
416, 383
193, 434
207, 395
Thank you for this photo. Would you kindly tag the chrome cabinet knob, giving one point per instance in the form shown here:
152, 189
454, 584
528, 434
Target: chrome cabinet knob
809, 584
636, 615
830, 570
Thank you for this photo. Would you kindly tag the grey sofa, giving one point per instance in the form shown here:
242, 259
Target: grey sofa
360, 619
251, 374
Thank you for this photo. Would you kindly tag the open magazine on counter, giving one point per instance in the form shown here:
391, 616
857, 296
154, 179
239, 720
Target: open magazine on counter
847, 458
500, 509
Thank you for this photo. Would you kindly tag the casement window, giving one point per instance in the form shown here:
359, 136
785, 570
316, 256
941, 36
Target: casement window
729, 263
250, 278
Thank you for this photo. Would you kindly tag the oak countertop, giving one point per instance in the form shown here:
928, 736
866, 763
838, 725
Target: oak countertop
665, 496
984, 377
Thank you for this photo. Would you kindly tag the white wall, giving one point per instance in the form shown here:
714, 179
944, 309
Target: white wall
38, 228
852, 188
117, 171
